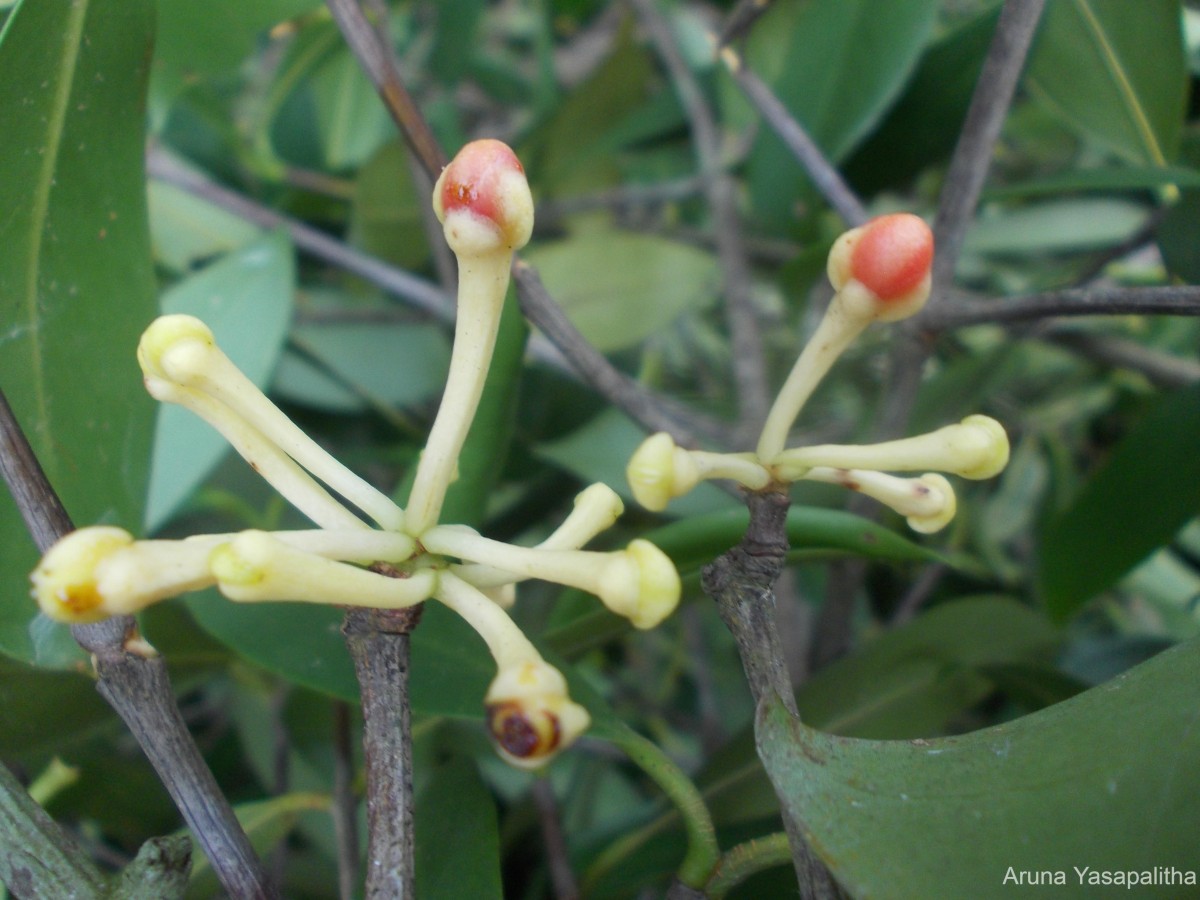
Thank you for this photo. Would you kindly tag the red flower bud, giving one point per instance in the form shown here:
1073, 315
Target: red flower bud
486, 181
892, 255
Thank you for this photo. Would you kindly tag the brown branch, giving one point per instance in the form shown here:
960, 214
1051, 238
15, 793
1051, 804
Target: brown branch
742, 582
133, 678
1169, 300
378, 641
416, 291
562, 876
1163, 369
739, 20
747, 357
973, 154
827, 180
378, 62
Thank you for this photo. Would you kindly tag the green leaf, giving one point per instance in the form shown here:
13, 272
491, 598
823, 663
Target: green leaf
1059, 226
246, 299
1116, 72
697, 540
76, 283
302, 643
1143, 494
847, 61
618, 289
922, 127
200, 41
387, 215
912, 681
1107, 779
46, 712
348, 366
352, 122
457, 835
187, 230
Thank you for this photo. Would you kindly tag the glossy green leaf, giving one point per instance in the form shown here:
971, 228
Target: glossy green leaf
457, 835
1116, 72
1145, 492
246, 299
846, 62
76, 284
618, 289
1106, 780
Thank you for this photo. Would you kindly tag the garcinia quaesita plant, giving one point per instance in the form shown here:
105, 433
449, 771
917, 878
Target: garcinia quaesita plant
483, 201
880, 272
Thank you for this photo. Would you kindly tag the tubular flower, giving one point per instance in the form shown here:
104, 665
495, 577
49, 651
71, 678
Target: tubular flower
483, 200
881, 273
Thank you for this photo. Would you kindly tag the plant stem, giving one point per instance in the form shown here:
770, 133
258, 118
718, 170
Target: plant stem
1169, 300
378, 641
133, 679
742, 582
745, 860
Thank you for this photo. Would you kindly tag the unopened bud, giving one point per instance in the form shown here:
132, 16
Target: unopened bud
529, 714
483, 200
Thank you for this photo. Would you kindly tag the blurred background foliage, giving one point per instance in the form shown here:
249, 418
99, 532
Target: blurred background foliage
1079, 562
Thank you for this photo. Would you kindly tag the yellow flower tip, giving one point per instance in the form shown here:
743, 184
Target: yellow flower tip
984, 445
640, 584
659, 471
66, 583
932, 485
600, 501
165, 334
483, 201
529, 715
244, 561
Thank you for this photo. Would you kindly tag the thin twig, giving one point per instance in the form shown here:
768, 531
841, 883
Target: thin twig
619, 389
562, 876
739, 20
742, 581
1162, 369
746, 345
1168, 300
415, 291
973, 154
827, 180
378, 62
378, 641
345, 806
133, 678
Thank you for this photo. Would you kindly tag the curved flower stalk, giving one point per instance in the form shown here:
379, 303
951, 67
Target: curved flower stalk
487, 212
881, 273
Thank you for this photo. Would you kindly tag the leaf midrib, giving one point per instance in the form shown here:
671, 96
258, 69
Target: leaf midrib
40, 205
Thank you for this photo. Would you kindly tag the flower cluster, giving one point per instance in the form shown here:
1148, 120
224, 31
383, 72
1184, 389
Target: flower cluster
881, 273
484, 204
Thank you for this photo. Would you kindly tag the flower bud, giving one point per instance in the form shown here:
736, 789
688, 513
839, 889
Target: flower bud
659, 471
640, 584
891, 256
65, 582
529, 715
483, 200
167, 333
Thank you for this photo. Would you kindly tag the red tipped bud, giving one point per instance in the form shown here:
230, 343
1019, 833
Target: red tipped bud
892, 255
483, 199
